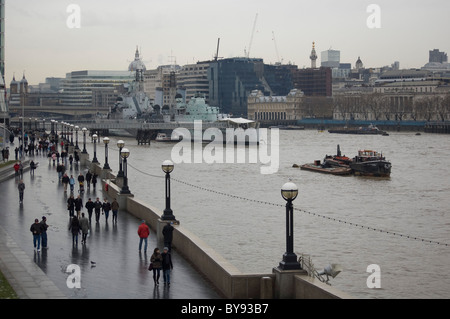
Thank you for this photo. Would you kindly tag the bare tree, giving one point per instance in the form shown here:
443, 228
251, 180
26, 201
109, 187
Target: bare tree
443, 107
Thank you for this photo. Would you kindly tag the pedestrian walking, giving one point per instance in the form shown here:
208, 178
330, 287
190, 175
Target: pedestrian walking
167, 265
143, 232
106, 206
156, 265
65, 180
21, 188
71, 183
44, 232
168, 235
90, 208
36, 230
115, 209
78, 205
88, 179
84, 224
75, 228
33, 166
71, 205
20, 169
16, 169
94, 180
81, 182
97, 209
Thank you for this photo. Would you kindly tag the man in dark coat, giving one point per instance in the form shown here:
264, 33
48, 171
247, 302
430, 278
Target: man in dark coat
97, 208
36, 230
167, 265
90, 208
168, 235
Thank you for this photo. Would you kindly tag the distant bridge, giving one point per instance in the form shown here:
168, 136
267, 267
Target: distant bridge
55, 111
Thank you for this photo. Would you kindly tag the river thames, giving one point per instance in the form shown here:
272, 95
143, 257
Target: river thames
352, 221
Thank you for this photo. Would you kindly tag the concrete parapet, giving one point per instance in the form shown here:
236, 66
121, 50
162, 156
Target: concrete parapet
310, 288
225, 277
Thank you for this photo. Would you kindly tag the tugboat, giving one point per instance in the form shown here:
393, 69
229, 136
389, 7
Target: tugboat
370, 163
337, 160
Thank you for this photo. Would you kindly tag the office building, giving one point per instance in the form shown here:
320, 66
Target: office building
437, 56
78, 85
232, 80
313, 82
330, 58
193, 79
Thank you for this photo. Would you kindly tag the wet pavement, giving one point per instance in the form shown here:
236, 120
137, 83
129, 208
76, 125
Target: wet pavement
110, 264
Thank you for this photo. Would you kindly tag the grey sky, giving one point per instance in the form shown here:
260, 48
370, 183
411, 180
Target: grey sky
39, 41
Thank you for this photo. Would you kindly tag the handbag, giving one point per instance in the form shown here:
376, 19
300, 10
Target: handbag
150, 267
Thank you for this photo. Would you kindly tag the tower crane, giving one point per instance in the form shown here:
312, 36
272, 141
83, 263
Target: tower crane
276, 47
251, 38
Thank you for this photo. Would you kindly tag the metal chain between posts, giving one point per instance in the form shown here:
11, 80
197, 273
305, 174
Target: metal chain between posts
397, 234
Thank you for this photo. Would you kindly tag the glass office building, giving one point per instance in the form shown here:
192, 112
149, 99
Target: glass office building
78, 86
232, 80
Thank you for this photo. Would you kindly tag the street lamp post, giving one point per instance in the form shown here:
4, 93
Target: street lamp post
289, 192
94, 138
125, 153
167, 167
106, 142
56, 131
120, 145
77, 128
84, 130
71, 134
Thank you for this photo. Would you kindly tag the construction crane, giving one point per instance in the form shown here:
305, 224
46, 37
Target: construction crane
251, 38
276, 47
217, 52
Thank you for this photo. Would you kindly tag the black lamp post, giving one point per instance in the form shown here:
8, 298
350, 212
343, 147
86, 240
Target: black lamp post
84, 130
71, 134
77, 128
289, 192
106, 142
94, 138
56, 131
167, 167
125, 153
120, 145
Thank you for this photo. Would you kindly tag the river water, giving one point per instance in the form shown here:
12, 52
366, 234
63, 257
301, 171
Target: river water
414, 201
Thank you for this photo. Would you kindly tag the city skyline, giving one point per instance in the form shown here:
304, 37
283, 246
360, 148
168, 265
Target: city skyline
40, 42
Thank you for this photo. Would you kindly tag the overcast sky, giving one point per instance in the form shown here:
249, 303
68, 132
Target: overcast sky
39, 42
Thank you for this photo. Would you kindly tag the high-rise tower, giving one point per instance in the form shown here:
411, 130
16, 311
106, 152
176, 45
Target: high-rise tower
313, 56
2, 38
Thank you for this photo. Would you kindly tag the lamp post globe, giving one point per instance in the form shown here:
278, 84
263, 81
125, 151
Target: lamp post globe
289, 192
167, 167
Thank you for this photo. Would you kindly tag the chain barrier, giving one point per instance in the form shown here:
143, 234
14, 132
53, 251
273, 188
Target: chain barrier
397, 234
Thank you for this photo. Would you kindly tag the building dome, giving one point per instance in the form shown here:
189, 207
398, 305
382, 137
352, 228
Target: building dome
24, 80
137, 64
14, 82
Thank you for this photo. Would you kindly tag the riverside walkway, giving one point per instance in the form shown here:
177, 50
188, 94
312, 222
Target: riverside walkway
118, 270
